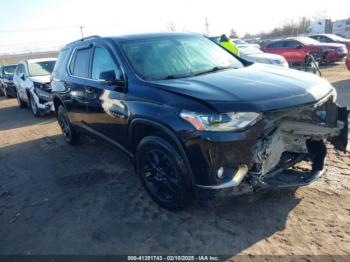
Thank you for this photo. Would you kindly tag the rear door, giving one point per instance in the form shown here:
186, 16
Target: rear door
78, 68
274, 48
108, 114
294, 51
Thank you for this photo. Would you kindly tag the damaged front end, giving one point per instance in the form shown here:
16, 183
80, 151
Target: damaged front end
294, 136
43, 96
287, 149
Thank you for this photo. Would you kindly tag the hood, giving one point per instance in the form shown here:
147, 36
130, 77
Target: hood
256, 88
41, 79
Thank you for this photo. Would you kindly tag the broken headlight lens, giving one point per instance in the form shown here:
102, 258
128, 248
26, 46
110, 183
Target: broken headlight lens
221, 122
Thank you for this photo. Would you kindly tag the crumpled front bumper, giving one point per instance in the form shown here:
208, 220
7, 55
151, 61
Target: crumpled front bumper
43, 100
284, 175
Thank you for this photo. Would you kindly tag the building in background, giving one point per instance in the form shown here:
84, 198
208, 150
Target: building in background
342, 28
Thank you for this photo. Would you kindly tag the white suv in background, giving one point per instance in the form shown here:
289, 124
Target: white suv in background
32, 82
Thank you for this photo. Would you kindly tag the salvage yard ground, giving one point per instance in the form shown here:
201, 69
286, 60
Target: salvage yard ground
58, 199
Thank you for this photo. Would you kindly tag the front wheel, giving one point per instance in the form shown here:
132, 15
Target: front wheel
163, 173
34, 106
19, 100
70, 135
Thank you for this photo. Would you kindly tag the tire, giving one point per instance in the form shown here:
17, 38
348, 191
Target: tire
69, 133
20, 102
5, 93
163, 173
33, 106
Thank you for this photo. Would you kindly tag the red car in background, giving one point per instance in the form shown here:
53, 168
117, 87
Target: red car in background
296, 49
347, 62
331, 38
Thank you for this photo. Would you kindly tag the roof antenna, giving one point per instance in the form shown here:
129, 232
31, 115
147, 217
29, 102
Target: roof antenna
82, 33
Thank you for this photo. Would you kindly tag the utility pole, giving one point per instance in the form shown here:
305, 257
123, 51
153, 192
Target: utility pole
81, 31
207, 26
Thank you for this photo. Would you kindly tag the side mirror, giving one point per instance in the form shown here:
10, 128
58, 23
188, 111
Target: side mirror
22, 76
299, 47
109, 78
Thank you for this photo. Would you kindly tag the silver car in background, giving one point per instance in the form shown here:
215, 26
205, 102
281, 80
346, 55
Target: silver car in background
255, 55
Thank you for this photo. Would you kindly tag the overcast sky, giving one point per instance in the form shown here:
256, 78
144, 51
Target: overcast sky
46, 24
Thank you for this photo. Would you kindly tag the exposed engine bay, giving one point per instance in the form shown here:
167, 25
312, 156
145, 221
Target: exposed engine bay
297, 135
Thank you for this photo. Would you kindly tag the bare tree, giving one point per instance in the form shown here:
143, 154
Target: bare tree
233, 34
171, 26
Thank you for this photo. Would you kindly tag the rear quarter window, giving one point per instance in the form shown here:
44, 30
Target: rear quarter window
61, 61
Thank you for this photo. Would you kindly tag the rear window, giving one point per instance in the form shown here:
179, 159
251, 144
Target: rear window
61, 61
80, 63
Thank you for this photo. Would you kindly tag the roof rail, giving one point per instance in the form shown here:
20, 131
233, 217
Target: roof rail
84, 39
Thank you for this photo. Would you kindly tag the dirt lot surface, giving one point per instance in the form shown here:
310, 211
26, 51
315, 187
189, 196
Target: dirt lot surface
58, 199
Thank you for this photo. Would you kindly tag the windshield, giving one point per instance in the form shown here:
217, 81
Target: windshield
308, 41
9, 70
41, 68
249, 50
177, 57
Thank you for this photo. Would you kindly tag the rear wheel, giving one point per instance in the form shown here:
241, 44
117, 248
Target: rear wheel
163, 173
70, 135
5, 93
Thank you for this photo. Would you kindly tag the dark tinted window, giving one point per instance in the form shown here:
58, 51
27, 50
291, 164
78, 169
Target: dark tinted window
61, 61
103, 62
9, 70
81, 63
275, 44
291, 44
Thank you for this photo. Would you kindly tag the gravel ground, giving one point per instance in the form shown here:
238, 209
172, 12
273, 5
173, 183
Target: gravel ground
58, 199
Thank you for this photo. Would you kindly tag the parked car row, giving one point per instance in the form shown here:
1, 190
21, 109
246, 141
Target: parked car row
296, 50
253, 53
29, 81
197, 121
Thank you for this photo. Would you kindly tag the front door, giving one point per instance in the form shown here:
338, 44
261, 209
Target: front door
107, 111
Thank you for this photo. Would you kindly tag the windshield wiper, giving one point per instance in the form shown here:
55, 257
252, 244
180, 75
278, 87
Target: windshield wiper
214, 69
168, 77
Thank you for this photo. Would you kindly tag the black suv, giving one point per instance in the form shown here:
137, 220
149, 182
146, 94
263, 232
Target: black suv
196, 120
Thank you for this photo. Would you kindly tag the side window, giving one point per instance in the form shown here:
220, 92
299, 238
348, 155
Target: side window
291, 44
103, 62
80, 64
20, 70
278, 44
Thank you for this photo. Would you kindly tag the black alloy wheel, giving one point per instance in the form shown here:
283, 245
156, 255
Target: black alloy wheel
163, 173
68, 131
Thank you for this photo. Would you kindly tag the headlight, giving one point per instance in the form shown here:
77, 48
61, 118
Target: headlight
7, 81
221, 122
